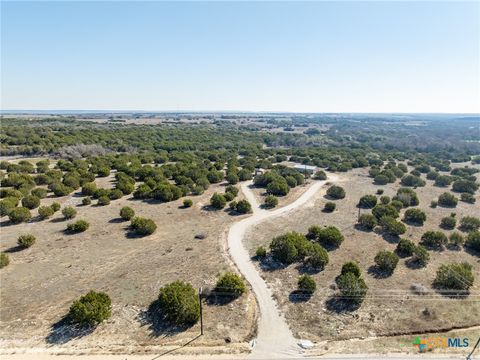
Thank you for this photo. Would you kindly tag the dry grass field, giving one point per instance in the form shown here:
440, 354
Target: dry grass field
390, 307
41, 282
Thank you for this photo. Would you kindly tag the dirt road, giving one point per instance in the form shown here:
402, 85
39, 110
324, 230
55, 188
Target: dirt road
274, 338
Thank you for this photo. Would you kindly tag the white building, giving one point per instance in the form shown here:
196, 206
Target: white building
305, 168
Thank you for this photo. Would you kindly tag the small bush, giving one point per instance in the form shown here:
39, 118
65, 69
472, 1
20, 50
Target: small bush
306, 284
243, 207
351, 267
448, 223
45, 212
380, 191
469, 223
330, 236
367, 201
4, 260
433, 204
421, 256
78, 226
456, 276
261, 252
330, 206
115, 194
447, 200
415, 216
39, 193
320, 175
218, 201
473, 240
367, 221
405, 247
289, 247
232, 190
228, 196
385, 199
230, 284
187, 203
26, 240
271, 201
179, 303
456, 239
103, 200
127, 213
317, 257
434, 239
30, 202
392, 227
55, 206
86, 201
143, 226
91, 309
386, 260
278, 187
380, 211
468, 198
352, 288
69, 212
19, 214
336, 192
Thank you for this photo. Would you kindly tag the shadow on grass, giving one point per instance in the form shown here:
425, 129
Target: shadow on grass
268, 263
15, 249
391, 239
299, 296
116, 221
220, 298
378, 273
64, 331
341, 305
58, 220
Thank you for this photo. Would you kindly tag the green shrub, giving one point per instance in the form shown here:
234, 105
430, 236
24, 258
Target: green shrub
380, 191
78, 226
19, 214
243, 207
456, 276
434, 239
261, 252
392, 227
380, 211
271, 201
7, 204
367, 201
412, 180
336, 192
4, 260
367, 221
228, 196
179, 303
456, 239
320, 175
351, 267
329, 236
218, 201
433, 204
187, 203
448, 223
330, 206
55, 206
69, 212
408, 197
469, 223
91, 309
127, 213
306, 284
473, 240
289, 247
352, 288
317, 257
381, 179
26, 240
405, 247
30, 202
421, 256
39, 193
447, 200
86, 201
385, 199
103, 200
60, 189
143, 226
278, 187
232, 190
415, 216
465, 186
115, 194
386, 260
230, 284
468, 198
45, 211
443, 180
232, 178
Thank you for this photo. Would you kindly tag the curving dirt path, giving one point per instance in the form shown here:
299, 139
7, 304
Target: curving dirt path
274, 338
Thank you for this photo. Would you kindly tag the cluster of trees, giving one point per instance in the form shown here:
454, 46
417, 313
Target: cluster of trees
279, 180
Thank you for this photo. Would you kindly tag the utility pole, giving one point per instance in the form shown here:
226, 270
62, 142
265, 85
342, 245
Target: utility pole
201, 310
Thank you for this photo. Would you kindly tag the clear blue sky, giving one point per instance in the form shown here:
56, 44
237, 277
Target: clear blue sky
259, 56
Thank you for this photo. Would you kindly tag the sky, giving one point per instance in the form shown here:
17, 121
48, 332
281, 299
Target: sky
241, 56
